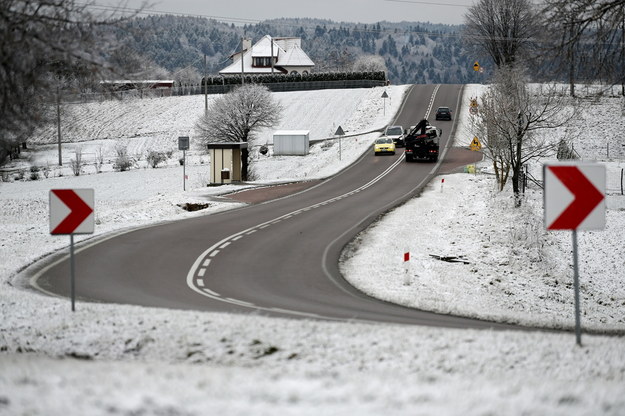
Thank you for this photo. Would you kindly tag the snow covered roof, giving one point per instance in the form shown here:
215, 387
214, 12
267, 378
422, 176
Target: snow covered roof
287, 52
294, 57
235, 67
262, 48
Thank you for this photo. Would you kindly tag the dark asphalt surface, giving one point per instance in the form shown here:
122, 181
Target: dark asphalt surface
279, 257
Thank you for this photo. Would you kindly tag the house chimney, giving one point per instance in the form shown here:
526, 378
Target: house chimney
247, 43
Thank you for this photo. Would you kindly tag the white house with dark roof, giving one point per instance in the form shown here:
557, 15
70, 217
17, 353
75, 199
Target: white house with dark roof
270, 55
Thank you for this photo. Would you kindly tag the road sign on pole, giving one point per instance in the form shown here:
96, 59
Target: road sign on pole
574, 196
340, 133
574, 200
475, 144
71, 212
384, 96
183, 144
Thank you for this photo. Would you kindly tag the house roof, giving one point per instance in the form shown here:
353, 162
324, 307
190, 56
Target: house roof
262, 48
292, 56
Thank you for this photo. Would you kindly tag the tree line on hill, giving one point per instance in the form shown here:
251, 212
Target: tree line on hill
50, 49
411, 52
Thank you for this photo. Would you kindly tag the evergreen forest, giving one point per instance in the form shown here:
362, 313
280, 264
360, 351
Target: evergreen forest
188, 47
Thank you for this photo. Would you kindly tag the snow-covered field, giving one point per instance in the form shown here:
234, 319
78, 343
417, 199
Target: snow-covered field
123, 360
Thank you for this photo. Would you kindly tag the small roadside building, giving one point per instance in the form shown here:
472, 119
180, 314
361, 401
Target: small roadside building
291, 142
270, 56
227, 162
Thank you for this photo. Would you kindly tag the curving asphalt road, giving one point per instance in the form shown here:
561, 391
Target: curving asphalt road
276, 258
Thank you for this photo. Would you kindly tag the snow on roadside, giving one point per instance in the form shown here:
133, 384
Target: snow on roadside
143, 195
505, 267
127, 360
120, 359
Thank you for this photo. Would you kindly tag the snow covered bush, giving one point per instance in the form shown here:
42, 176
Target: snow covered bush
34, 173
77, 163
155, 158
123, 162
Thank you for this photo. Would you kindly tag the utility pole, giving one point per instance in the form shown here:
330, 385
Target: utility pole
623, 49
242, 66
205, 88
58, 121
271, 54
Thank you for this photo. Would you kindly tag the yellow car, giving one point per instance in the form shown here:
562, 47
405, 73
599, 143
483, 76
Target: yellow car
384, 145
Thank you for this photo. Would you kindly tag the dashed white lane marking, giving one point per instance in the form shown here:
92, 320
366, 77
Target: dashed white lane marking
197, 272
429, 110
213, 251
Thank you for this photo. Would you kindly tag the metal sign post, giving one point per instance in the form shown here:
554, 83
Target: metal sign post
72, 266
71, 212
183, 144
574, 200
384, 96
578, 325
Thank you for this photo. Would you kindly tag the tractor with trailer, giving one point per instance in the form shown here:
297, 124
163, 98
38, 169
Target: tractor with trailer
422, 142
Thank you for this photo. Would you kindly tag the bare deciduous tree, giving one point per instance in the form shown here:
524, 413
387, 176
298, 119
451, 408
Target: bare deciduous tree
187, 77
503, 29
493, 145
99, 159
369, 63
589, 41
136, 66
238, 116
77, 163
511, 114
39, 39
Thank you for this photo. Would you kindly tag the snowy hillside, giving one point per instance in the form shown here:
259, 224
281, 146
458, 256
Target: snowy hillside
119, 359
142, 125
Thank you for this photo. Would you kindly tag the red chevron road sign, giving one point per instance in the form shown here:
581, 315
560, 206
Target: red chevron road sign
574, 196
71, 211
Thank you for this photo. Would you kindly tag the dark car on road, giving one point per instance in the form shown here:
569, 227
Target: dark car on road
443, 113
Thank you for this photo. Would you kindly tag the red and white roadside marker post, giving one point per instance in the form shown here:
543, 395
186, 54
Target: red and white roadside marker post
574, 199
71, 212
406, 267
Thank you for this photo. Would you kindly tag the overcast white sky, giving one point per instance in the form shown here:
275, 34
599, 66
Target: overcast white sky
356, 11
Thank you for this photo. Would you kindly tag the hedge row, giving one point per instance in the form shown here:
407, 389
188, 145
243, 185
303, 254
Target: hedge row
277, 78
